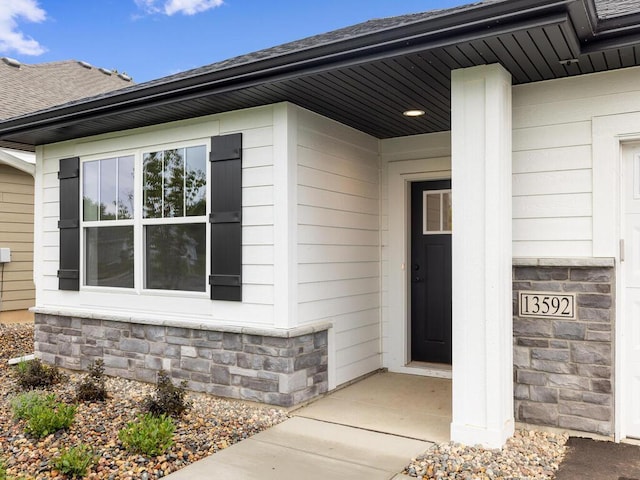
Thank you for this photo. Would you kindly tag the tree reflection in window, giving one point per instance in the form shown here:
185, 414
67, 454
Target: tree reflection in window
174, 187
174, 183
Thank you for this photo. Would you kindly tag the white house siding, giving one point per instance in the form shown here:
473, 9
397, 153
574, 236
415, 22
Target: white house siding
552, 159
257, 126
552, 177
16, 233
419, 157
338, 240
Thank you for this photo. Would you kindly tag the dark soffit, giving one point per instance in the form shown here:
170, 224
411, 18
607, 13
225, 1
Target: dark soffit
367, 80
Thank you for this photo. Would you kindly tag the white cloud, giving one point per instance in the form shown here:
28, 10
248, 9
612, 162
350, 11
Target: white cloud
171, 7
11, 38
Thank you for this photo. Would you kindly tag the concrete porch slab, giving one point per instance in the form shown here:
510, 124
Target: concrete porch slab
398, 404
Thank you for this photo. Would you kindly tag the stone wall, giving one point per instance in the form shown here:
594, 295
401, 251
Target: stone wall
564, 368
279, 369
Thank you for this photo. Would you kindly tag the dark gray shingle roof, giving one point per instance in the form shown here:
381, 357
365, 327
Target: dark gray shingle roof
616, 8
606, 8
294, 57
335, 36
27, 88
361, 29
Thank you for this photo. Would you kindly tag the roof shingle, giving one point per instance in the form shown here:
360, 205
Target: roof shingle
616, 8
27, 88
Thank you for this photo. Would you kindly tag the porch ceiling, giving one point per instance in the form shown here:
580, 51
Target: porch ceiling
367, 81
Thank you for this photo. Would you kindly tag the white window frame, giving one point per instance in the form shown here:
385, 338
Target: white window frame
85, 224
139, 222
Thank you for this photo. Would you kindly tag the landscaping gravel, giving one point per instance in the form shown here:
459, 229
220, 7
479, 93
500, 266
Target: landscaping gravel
213, 424
528, 455
210, 425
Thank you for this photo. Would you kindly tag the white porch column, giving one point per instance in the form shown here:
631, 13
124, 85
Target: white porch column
482, 312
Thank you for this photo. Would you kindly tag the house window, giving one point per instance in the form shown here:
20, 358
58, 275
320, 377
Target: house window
174, 211
108, 210
169, 217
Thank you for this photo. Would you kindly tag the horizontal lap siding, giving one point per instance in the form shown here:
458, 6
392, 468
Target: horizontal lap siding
338, 239
256, 126
552, 159
16, 233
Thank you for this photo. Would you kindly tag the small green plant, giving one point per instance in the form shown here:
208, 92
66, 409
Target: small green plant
22, 367
42, 412
167, 399
148, 435
92, 387
4, 475
35, 374
45, 419
22, 404
75, 462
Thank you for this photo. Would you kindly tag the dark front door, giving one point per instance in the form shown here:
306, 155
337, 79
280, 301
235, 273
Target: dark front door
431, 271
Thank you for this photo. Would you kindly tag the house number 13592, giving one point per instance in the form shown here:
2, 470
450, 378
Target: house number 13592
546, 304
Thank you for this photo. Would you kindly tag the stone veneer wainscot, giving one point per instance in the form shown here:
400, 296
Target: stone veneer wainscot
564, 368
276, 367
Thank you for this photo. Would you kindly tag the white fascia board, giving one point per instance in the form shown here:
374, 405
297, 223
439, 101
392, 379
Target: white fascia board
18, 160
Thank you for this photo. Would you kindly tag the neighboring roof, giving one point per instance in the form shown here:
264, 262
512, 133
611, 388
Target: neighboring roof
365, 75
27, 88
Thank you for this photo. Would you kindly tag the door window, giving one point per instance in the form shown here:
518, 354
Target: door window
436, 208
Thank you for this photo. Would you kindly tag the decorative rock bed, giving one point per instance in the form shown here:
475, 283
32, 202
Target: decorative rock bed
210, 425
528, 455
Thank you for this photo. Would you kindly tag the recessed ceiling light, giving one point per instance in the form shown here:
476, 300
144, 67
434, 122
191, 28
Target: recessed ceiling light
413, 113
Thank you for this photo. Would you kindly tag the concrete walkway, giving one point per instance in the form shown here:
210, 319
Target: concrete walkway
16, 316
310, 449
370, 430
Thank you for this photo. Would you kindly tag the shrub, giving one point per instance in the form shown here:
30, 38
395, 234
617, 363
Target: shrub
75, 462
92, 387
43, 414
167, 399
148, 435
45, 419
35, 374
22, 404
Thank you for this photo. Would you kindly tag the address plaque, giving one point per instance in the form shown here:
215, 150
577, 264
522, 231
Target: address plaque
547, 304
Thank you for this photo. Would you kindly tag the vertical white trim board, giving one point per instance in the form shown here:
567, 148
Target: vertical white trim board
609, 133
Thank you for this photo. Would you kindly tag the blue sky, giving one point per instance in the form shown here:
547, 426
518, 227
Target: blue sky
152, 38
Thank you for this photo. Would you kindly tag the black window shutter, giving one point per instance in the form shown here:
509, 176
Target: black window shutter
69, 224
226, 217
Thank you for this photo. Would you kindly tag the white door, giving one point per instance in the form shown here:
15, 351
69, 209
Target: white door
631, 273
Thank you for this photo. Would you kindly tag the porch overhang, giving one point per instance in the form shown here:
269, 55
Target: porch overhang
365, 78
